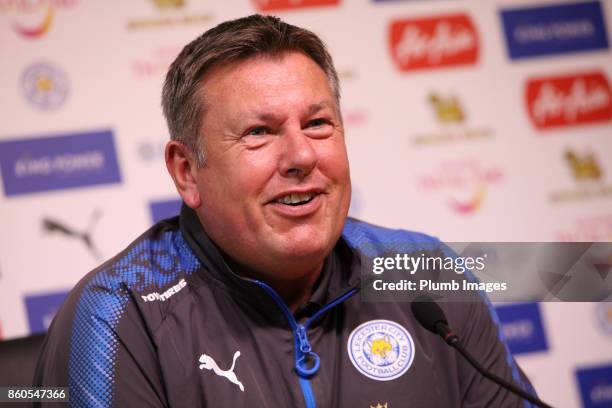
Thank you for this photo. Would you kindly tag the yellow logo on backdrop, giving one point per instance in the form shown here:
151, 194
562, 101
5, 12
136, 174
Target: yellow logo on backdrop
450, 113
448, 110
587, 171
583, 167
169, 3
169, 13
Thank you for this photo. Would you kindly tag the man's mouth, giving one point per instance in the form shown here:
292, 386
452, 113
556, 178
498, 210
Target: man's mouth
296, 199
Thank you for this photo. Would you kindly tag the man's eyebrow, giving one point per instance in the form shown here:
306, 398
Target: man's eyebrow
314, 108
311, 110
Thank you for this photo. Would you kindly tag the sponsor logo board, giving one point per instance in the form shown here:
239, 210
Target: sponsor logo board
156, 63
169, 4
165, 209
569, 100
554, 29
604, 311
522, 327
45, 85
464, 183
450, 114
278, 5
595, 386
151, 150
433, 42
590, 183
58, 162
42, 308
34, 19
596, 228
84, 235
168, 14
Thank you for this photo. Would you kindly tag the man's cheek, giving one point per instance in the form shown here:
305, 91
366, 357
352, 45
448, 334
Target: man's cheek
335, 165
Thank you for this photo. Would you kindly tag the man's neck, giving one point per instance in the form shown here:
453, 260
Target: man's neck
295, 292
299, 291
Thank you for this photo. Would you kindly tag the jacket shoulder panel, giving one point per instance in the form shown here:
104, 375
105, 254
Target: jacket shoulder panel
373, 240
156, 259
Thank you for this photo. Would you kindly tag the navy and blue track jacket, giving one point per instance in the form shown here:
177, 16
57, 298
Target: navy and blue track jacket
166, 323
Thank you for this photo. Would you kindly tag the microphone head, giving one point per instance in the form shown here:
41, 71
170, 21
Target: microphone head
428, 313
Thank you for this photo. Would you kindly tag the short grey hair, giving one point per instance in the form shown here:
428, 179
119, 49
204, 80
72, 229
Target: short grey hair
232, 41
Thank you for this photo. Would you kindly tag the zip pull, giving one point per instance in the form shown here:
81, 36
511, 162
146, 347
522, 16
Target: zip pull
303, 339
305, 354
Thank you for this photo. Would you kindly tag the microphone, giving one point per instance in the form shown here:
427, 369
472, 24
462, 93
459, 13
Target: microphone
431, 317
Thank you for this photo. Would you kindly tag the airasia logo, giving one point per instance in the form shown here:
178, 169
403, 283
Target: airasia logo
271, 5
433, 42
569, 100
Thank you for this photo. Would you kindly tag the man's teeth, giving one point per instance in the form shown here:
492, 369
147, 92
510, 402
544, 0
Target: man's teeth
293, 199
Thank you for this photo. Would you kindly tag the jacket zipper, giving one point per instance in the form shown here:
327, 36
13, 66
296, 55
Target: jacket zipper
302, 351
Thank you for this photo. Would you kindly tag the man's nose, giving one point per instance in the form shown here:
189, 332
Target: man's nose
298, 156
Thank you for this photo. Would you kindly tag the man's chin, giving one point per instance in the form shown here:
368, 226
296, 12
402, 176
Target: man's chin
307, 248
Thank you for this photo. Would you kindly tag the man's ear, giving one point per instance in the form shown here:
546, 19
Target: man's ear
181, 165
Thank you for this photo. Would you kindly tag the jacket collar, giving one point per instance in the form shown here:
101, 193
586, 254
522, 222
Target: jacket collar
341, 271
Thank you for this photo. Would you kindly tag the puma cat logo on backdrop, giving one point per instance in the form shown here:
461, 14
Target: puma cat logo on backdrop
52, 225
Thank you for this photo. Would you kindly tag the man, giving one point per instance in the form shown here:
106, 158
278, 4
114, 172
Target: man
251, 297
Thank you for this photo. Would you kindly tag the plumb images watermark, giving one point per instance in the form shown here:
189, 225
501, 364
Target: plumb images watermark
432, 286
505, 271
34, 394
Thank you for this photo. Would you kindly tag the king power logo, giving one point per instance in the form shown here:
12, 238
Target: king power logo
435, 42
569, 100
41, 309
46, 163
554, 29
595, 385
33, 19
522, 327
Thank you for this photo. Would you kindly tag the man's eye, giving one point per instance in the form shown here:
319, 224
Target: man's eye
258, 131
317, 122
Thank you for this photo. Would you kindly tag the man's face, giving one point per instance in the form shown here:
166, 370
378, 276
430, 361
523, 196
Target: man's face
275, 188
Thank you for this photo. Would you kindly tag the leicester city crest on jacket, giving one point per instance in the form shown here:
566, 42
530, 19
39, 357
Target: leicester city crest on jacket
381, 349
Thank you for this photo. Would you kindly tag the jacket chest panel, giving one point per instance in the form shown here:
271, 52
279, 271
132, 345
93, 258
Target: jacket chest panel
229, 359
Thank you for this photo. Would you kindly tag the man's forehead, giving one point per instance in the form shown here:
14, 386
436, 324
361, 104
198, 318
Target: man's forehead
233, 67
257, 87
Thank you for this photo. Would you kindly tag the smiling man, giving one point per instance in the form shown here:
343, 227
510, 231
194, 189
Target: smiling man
251, 297
274, 189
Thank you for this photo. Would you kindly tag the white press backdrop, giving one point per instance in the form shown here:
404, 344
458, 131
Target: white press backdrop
440, 131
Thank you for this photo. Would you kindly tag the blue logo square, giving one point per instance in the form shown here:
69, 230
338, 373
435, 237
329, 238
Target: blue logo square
595, 386
557, 29
522, 327
41, 309
58, 162
165, 209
